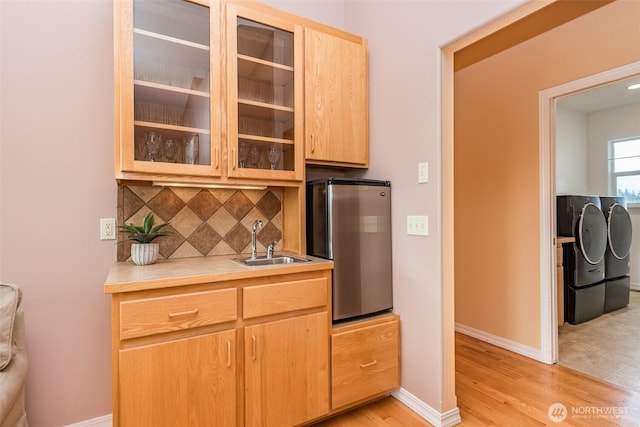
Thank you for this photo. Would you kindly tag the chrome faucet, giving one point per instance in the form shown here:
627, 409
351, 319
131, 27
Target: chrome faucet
270, 249
254, 230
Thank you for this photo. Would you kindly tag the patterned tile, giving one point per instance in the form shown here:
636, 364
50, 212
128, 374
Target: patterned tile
168, 244
204, 239
238, 238
186, 194
186, 222
131, 203
185, 250
145, 192
238, 205
199, 218
269, 233
269, 205
166, 204
204, 204
222, 221
222, 248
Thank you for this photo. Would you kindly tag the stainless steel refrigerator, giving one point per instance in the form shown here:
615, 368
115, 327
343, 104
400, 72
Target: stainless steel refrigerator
349, 222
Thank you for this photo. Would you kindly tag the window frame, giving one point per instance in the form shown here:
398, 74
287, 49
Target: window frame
613, 176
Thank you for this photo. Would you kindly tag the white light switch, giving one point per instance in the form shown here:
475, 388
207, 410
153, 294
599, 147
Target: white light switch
423, 172
418, 225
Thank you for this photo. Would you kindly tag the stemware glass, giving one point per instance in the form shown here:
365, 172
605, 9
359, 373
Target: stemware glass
243, 152
152, 141
254, 157
191, 149
169, 148
273, 155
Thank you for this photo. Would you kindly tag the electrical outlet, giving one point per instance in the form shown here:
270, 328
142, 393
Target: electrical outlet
418, 225
423, 172
107, 229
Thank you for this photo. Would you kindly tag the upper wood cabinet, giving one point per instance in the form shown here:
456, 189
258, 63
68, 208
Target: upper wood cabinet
336, 105
167, 86
234, 92
264, 88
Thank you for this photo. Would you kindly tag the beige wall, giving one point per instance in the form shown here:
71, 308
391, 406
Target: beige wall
56, 167
496, 164
56, 181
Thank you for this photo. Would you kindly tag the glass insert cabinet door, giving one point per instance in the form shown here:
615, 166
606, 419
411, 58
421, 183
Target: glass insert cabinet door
166, 76
264, 83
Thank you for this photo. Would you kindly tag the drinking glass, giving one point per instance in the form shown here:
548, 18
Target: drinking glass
191, 148
169, 148
243, 152
152, 141
273, 155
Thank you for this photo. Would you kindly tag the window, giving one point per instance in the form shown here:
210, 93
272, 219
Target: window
624, 167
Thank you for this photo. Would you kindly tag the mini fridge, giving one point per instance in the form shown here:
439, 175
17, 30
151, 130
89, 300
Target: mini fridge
349, 222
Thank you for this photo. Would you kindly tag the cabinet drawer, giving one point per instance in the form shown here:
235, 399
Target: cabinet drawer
364, 363
283, 297
151, 316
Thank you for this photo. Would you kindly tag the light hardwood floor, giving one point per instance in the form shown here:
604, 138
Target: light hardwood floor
496, 387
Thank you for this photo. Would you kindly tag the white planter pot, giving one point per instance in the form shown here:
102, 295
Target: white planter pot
144, 253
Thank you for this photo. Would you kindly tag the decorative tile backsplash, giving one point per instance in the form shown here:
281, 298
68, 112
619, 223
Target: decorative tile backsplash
203, 221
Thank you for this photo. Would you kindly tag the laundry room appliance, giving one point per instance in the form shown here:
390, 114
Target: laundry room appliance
581, 217
349, 222
616, 257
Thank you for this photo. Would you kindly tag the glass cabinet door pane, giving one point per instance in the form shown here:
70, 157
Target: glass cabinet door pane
265, 85
171, 82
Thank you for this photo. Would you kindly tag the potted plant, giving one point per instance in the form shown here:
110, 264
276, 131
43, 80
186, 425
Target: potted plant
143, 251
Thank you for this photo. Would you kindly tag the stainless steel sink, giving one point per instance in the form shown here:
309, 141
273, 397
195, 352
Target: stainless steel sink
261, 261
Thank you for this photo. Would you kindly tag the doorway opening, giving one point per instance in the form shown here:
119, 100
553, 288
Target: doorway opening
548, 103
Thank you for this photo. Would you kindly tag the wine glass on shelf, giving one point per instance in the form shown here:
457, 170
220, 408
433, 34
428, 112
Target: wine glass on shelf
169, 149
191, 148
243, 152
273, 155
152, 141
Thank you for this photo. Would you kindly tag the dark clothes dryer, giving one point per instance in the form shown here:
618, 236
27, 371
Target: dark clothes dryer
581, 217
617, 256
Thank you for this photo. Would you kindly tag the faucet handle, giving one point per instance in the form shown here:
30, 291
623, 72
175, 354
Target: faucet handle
270, 249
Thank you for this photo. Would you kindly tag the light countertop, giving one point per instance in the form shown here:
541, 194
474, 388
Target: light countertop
128, 277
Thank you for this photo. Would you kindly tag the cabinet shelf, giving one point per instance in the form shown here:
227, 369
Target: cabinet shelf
171, 95
267, 139
276, 74
185, 129
262, 110
169, 39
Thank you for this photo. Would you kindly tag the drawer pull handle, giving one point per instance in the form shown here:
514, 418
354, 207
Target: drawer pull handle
228, 353
366, 365
183, 313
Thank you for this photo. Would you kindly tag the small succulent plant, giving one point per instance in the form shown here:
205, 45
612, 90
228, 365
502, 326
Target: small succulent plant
146, 232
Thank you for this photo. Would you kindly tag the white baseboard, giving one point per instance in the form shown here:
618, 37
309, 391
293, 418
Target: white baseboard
103, 421
530, 352
436, 418
635, 287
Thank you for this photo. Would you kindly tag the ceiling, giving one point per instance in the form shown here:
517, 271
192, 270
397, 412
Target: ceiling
603, 97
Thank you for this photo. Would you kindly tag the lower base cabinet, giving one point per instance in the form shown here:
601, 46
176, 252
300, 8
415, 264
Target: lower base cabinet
186, 382
365, 361
287, 371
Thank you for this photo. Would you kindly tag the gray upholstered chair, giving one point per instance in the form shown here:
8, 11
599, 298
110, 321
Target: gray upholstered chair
13, 358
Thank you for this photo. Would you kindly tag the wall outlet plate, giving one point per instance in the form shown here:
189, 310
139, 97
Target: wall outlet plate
107, 229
